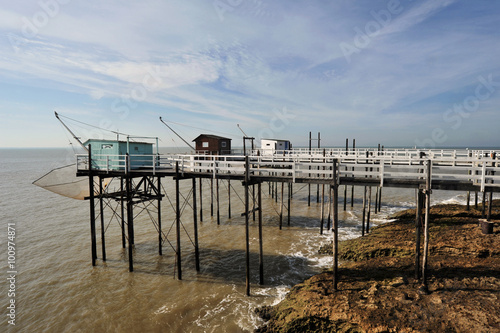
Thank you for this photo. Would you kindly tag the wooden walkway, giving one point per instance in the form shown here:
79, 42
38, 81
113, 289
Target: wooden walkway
461, 170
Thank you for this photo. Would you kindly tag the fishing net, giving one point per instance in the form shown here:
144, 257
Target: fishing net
64, 181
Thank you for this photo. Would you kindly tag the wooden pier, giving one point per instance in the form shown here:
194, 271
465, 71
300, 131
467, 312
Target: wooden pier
423, 170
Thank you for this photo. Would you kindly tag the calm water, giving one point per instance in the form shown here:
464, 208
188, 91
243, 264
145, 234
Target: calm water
58, 290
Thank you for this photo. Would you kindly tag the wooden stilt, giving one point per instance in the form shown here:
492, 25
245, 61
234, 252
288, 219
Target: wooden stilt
418, 228
379, 199
426, 224
281, 205
195, 226
211, 197
247, 231
201, 201
289, 202
122, 204
364, 213
322, 210
483, 208
178, 222
253, 201
376, 199
130, 224
261, 252
92, 212
229, 198
329, 196
345, 197
475, 199
103, 228
369, 209
335, 227
160, 238
217, 198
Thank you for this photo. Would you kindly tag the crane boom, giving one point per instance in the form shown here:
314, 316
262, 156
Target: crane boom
73, 134
190, 146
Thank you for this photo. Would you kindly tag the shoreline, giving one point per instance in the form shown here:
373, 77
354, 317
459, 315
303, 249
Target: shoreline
378, 291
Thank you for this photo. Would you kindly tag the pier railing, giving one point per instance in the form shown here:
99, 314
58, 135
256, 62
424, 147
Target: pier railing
481, 168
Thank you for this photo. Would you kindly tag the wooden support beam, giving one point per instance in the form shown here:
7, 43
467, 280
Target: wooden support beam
92, 215
217, 198
290, 192
335, 228
261, 252
229, 198
322, 220
160, 238
426, 224
281, 205
122, 204
247, 231
195, 226
201, 200
418, 229
178, 222
369, 209
130, 224
363, 220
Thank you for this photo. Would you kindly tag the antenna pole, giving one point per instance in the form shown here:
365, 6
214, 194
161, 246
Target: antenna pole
177, 134
74, 136
241, 130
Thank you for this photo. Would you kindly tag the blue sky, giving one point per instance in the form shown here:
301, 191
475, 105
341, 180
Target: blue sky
399, 73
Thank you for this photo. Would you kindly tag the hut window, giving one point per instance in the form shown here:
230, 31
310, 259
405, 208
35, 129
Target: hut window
205, 144
136, 148
223, 144
106, 146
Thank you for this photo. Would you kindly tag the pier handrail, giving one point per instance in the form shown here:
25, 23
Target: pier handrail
481, 167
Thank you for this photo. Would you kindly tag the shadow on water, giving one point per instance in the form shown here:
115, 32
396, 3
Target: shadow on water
216, 266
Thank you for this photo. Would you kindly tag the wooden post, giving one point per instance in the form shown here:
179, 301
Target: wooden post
211, 197
335, 227
178, 221
229, 198
261, 252
376, 199
426, 224
322, 210
247, 231
130, 223
93, 240
379, 199
201, 201
418, 228
195, 225
217, 199
281, 205
253, 201
352, 187
122, 199
160, 238
364, 213
369, 209
103, 227
289, 202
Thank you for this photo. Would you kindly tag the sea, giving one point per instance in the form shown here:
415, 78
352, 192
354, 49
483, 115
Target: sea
50, 285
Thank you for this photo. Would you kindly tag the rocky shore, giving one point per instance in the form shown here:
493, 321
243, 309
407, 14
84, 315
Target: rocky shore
378, 291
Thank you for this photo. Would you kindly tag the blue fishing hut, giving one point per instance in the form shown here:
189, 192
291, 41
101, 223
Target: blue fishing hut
110, 154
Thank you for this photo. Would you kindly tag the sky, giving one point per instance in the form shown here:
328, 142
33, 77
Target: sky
395, 72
